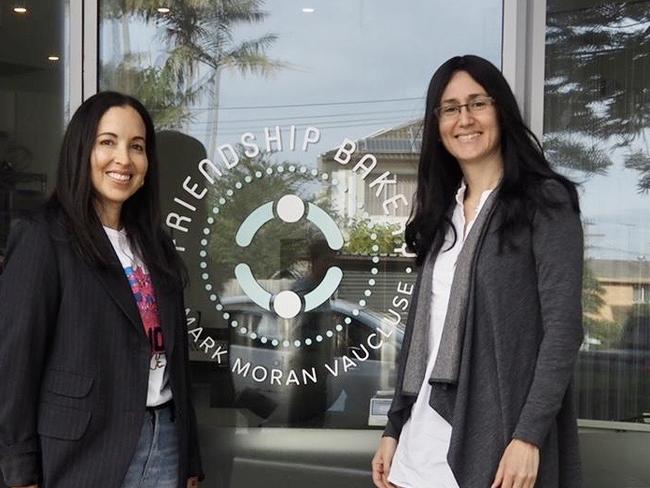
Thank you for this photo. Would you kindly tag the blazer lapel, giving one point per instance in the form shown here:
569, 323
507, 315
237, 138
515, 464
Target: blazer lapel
117, 285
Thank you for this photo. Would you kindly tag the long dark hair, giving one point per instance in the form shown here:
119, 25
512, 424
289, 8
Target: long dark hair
439, 173
140, 214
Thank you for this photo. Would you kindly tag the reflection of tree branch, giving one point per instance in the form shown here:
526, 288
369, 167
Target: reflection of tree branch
162, 93
359, 240
592, 301
554, 9
592, 292
640, 162
596, 89
201, 42
566, 151
642, 22
200, 32
569, 55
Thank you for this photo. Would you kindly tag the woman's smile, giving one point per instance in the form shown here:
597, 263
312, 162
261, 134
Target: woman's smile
119, 177
471, 137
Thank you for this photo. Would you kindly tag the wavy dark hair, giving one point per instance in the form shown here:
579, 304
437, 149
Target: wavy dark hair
74, 194
439, 173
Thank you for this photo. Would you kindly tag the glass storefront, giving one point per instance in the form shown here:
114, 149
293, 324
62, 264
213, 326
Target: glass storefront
35, 52
596, 121
289, 139
597, 116
34, 103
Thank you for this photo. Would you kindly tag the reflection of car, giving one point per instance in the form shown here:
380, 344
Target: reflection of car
319, 369
614, 383
254, 457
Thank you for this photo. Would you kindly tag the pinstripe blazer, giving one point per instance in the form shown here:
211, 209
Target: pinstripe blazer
74, 364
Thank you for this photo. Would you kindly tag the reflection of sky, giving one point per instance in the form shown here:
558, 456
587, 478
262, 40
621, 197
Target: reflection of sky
617, 216
349, 51
355, 67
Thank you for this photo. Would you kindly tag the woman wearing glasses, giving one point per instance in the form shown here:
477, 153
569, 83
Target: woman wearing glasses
483, 392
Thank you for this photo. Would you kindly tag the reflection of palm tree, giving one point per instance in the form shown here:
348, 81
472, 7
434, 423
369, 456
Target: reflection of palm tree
593, 300
592, 292
201, 33
156, 87
201, 41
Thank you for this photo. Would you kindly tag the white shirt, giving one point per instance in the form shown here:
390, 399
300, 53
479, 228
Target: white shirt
421, 456
159, 391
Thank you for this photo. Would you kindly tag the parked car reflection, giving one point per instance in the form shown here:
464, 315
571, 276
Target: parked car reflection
320, 369
614, 382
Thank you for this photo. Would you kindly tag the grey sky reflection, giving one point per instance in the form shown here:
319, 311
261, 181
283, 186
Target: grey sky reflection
349, 51
373, 51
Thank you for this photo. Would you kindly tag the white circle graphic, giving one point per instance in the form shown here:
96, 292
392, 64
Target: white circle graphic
287, 304
290, 208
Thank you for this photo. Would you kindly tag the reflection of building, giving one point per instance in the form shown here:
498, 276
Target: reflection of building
397, 151
625, 283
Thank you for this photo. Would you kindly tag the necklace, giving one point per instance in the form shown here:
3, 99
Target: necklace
125, 247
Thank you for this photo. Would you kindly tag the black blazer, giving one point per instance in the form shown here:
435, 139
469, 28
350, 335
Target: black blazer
74, 364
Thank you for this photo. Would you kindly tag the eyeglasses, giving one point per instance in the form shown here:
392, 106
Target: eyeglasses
450, 111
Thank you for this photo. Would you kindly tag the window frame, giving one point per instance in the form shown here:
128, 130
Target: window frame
524, 61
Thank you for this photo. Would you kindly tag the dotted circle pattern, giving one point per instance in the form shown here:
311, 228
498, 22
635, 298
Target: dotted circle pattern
205, 276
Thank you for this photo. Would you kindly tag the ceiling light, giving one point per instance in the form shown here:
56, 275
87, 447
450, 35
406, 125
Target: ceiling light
53, 58
163, 10
20, 10
308, 10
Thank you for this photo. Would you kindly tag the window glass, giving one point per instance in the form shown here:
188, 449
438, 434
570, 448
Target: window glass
310, 119
309, 116
33, 104
597, 115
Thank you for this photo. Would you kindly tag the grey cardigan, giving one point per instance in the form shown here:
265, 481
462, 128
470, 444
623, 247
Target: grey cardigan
522, 333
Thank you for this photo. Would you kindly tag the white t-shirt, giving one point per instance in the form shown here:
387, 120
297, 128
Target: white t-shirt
421, 456
145, 297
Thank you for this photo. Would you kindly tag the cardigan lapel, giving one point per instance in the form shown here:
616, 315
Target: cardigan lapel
415, 345
447, 361
414, 348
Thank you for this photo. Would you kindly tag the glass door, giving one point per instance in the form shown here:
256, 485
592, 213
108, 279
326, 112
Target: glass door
288, 137
34, 103
596, 127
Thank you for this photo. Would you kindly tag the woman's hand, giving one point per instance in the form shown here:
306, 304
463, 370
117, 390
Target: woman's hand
381, 462
193, 482
518, 466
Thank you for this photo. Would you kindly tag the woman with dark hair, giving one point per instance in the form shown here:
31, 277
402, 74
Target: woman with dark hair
483, 396
95, 387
